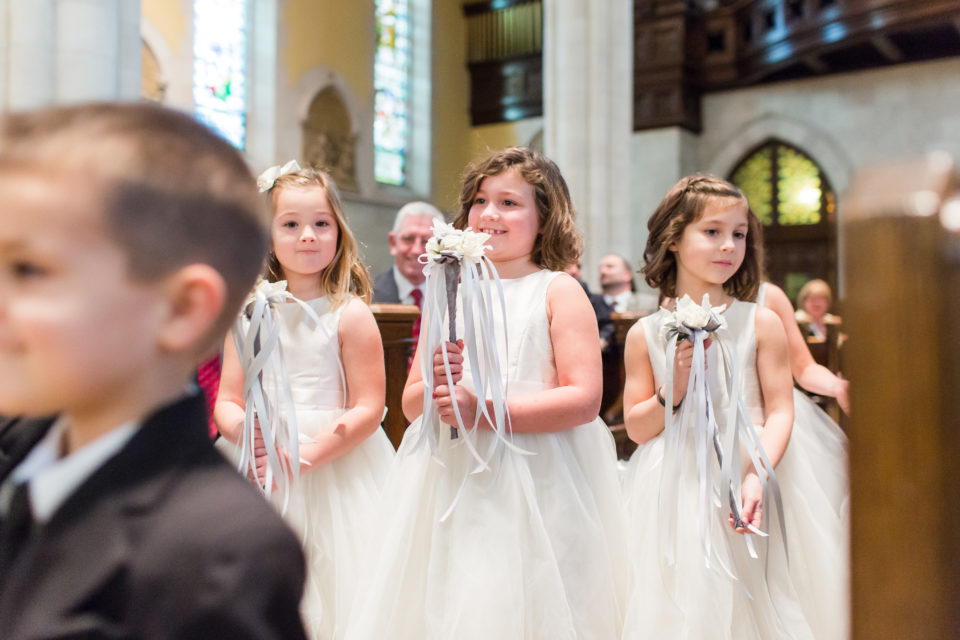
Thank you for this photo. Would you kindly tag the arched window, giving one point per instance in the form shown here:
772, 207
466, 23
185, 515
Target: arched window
328, 140
152, 87
391, 74
219, 67
793, 198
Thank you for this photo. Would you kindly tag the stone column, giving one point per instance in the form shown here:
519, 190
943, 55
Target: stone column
68, 51
588, 92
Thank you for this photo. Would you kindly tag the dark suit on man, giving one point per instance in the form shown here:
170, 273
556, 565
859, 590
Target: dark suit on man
385, 288
164, 540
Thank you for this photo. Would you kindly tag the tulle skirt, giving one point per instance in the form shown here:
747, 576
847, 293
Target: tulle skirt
331, 509
804, 596
533, 547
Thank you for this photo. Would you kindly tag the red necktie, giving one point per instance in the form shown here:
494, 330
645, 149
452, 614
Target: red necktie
208, 377
417, 296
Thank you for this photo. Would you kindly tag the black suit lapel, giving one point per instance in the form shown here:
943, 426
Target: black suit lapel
19, 437
75, 570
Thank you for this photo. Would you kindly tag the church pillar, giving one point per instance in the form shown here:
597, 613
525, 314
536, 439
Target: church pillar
30, 53
588, 89
69, 51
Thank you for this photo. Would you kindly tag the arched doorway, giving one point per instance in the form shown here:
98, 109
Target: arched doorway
794, 200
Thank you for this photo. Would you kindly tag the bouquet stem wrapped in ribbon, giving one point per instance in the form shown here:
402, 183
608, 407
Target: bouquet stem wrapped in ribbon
696, 419
256, 335
456, 267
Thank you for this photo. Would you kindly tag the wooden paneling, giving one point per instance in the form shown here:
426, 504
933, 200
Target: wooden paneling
681, 51
901, 312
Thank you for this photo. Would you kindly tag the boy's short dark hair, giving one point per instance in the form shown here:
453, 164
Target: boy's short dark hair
174, 193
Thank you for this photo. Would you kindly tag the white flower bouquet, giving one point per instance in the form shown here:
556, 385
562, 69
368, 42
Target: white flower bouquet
689, 317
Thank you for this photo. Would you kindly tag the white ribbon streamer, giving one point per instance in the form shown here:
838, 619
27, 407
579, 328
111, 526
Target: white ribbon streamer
257, 339
696, 420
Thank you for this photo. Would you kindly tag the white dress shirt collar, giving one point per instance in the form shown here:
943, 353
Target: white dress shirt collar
404, 287
54, 477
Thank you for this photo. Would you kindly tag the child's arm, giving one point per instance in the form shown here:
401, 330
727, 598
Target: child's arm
412, 400
776, 384
229, 409
362, 355
576, 351
811, 376
643, 415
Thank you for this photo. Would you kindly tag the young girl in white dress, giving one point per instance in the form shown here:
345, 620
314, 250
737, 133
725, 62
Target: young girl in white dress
533, 546
344, 454
700, 580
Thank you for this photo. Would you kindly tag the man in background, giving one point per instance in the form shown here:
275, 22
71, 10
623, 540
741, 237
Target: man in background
403, 283
620, 289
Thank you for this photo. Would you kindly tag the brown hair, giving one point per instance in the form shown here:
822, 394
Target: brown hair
345, 274
558, 243
174, 193
683, 205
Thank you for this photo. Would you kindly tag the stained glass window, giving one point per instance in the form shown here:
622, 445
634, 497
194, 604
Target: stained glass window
798, 188
391, 72
754, 178
219, 66
784, 186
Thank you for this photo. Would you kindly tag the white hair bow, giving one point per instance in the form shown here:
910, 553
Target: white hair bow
266, 179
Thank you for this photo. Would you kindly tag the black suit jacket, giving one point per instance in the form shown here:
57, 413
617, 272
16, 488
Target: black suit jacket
385, 288
165, 540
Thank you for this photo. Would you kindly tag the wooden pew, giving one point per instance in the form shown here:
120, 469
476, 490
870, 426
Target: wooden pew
827, 352
614, 415
902, 248
396, 329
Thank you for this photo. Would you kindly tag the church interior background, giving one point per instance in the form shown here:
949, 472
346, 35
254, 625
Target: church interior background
790, 99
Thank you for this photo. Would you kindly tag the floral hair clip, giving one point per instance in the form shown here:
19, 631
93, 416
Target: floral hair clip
266, 179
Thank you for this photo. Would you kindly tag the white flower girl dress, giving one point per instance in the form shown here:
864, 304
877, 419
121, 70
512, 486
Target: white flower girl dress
795, 591
533, 546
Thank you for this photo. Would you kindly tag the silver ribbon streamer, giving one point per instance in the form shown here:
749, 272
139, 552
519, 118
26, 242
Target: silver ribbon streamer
257, 338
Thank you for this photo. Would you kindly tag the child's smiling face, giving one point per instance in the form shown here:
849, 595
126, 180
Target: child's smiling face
505, 207
76, 332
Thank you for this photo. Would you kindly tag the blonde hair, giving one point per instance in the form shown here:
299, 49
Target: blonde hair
174, 192
812, 288
558, 243
682, 206
346, 275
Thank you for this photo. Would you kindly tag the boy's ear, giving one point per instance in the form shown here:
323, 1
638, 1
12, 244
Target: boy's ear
196, 295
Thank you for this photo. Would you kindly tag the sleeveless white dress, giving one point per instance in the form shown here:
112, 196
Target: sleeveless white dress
330, 507
534, 547
803, 597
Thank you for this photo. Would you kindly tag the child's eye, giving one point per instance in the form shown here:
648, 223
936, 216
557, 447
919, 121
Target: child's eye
710, 232
290, 224
740, 235
323, 223
24, 270
509, 203
479, 201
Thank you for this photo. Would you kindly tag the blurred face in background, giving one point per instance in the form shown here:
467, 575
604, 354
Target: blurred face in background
615, 275
408, 243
